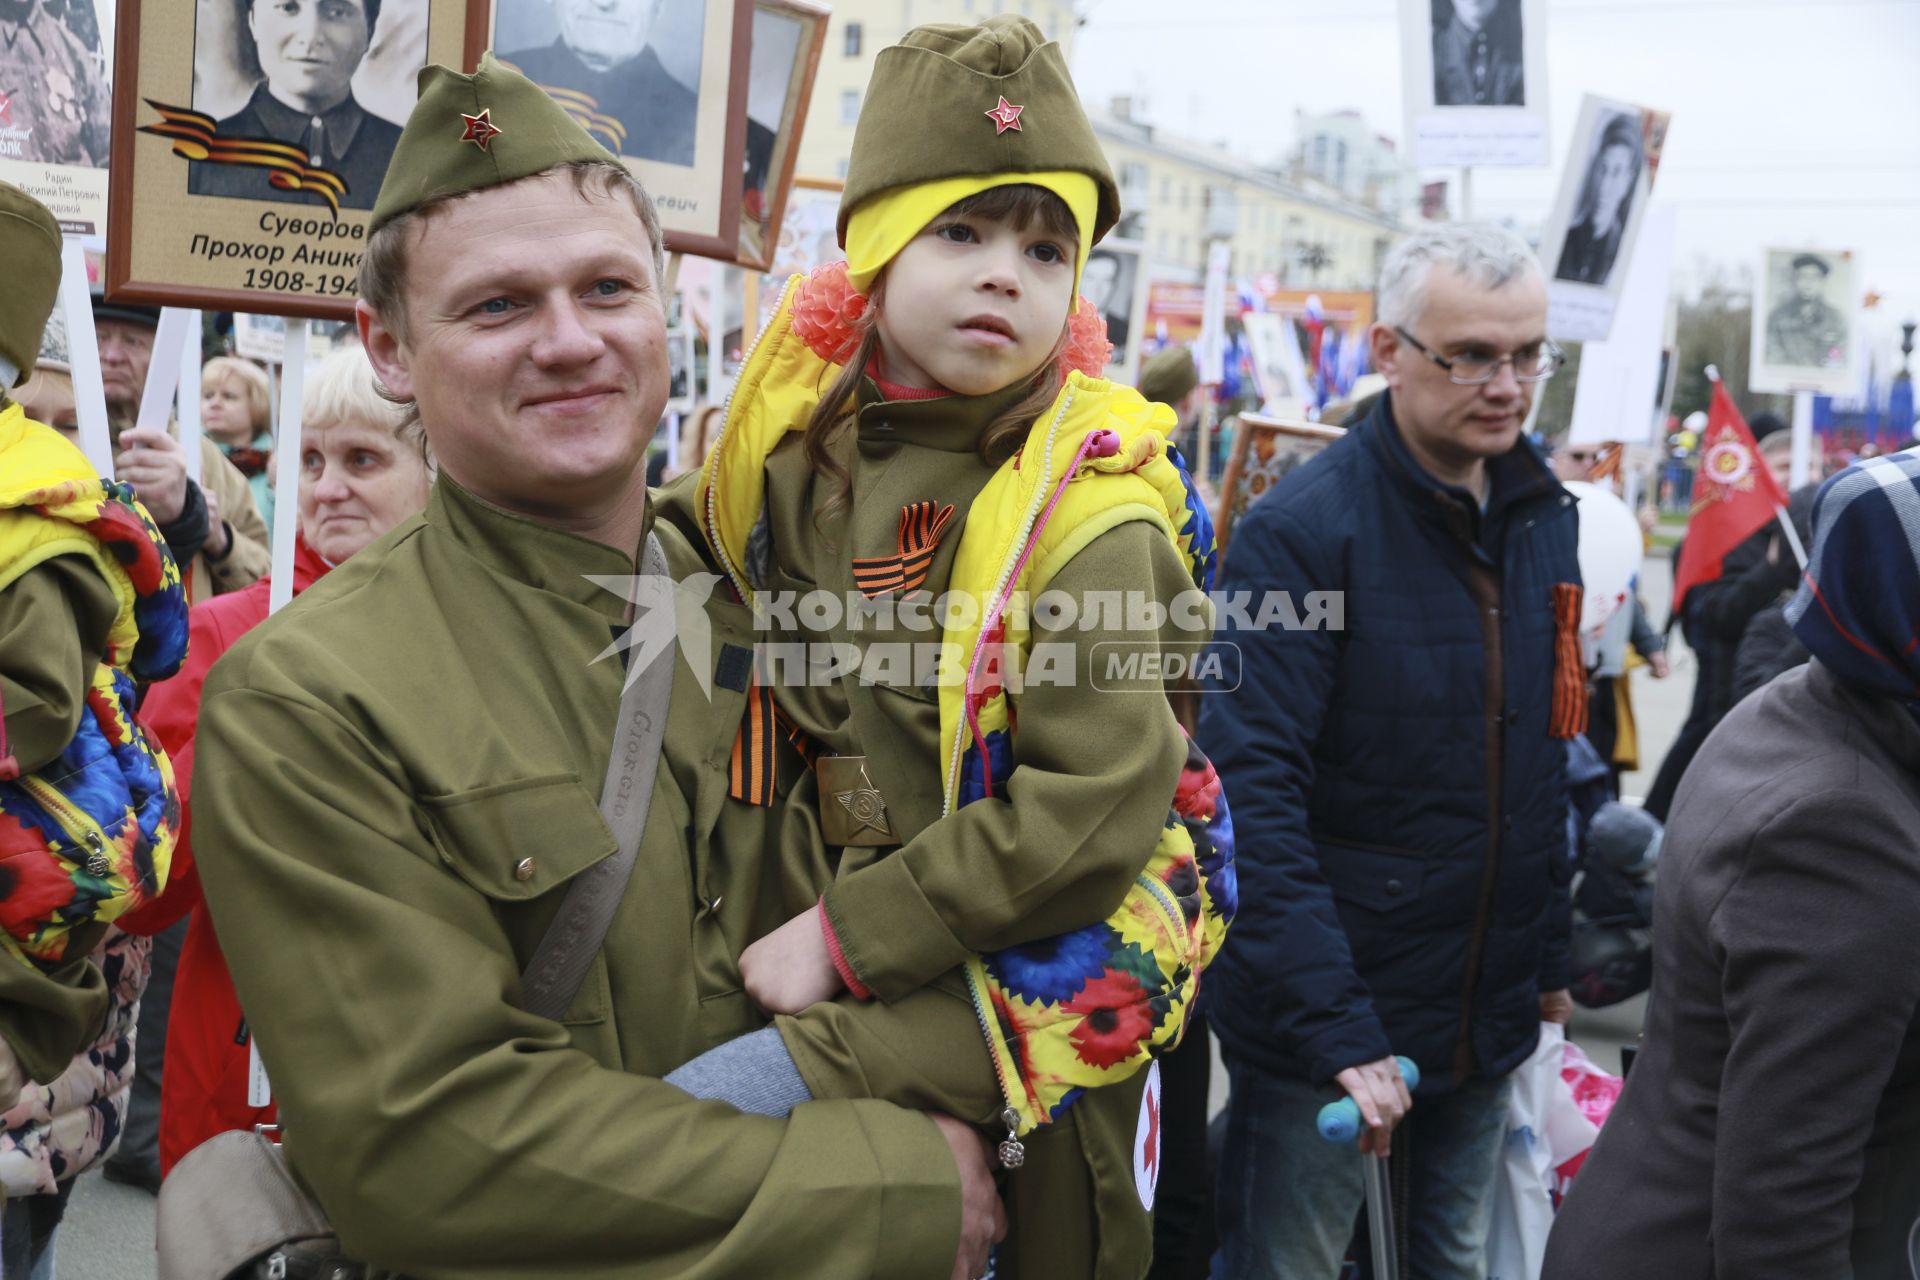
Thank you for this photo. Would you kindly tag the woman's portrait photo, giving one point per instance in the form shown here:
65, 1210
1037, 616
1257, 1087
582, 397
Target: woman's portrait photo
1605, 203
332, 77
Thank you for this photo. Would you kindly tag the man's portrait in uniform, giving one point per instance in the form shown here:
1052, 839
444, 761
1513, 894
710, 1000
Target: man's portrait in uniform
307, 53
54, 105
1804, 330
1476, 54
628, 70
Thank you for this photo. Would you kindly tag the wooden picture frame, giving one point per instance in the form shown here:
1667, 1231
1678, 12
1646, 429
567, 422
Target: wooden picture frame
789, 36
210, 202
689, 153
1264, 450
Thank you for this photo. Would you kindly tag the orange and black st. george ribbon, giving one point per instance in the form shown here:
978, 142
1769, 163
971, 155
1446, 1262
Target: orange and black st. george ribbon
921, 524
196, 137
753, 766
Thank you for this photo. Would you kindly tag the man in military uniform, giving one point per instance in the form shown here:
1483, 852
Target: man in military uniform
53, 90
1804, 331
634, 108
308, 52
1476, 54
398, 776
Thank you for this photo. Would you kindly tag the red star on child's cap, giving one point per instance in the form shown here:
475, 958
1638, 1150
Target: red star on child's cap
1005, 116
481, 131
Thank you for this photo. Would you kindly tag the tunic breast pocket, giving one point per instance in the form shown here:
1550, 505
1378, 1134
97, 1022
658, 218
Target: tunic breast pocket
519, 844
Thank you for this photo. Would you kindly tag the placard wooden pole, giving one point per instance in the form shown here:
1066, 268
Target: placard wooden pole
83, 345
286, 464
749, 310
1801, 467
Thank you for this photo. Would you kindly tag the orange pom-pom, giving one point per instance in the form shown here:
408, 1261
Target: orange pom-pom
826, 313
1087, 347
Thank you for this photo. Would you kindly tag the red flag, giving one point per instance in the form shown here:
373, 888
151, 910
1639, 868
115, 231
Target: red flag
1733, 496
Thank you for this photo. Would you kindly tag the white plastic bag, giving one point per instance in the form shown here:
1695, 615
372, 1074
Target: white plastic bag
1545, 1129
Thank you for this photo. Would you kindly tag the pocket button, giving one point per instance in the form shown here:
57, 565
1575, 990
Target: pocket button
523, 869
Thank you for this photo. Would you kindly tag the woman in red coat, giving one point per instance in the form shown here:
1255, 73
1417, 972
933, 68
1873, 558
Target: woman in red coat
363, 469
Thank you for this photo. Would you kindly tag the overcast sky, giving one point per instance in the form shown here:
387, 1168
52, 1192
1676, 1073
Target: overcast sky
1794, 121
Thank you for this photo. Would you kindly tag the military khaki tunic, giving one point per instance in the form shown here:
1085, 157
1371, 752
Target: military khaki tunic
1099, 758
398, 775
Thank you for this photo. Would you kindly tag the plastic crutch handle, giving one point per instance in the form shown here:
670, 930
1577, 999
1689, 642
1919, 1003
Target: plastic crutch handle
1340, 1121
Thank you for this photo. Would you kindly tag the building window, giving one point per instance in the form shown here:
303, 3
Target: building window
1166, 189
850, 106
853, 39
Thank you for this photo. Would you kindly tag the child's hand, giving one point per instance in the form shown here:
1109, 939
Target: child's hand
790, 968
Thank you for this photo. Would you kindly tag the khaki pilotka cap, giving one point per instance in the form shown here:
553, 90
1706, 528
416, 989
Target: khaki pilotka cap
468, 133
930, 90
30, 250
1169, 376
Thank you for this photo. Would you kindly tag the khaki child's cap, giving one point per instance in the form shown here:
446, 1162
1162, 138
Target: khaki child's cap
930, 114
1169, 376
30, 247
468, 133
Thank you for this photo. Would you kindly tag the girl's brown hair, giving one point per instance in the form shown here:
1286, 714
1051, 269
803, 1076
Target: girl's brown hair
1021, 205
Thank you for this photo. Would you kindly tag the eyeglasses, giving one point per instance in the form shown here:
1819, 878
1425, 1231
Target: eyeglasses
1535, 364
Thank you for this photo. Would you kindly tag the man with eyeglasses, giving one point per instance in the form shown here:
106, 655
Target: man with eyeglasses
1398, 778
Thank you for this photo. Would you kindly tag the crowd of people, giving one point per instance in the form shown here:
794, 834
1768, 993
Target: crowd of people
596, 871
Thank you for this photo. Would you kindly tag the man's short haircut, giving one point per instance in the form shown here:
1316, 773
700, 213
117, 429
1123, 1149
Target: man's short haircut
369, 7
1812, 260
1487, 255
383, 268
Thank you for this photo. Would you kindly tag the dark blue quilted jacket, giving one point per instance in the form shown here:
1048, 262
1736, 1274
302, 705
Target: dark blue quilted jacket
1401, 831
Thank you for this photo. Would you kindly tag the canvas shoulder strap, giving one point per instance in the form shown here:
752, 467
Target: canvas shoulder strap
559, 964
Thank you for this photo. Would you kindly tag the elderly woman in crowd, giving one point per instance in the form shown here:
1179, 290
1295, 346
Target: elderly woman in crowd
1771, 1126
234, 414
364, 469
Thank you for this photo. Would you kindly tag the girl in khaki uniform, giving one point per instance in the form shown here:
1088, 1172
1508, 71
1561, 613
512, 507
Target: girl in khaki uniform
874, 448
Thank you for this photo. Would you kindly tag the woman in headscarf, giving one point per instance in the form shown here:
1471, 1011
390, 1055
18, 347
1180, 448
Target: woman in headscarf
1771, 1126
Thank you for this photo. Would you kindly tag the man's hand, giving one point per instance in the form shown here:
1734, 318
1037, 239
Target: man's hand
218, 539
1661, 665
156, 466
790, 968
1556, 1006
983, 1220
1381, 1094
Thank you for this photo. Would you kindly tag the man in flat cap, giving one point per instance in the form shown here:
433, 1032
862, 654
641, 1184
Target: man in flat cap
399, 776
1803, 330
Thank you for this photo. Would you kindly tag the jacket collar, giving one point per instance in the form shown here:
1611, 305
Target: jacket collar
951, 424
341, 122
526, 551
1516, 477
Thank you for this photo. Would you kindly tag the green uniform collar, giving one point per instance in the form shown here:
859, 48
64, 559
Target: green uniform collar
951, 424
525, 550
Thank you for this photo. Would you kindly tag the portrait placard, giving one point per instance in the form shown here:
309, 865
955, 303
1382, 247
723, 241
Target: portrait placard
56, 113
1115, 282
1475, 81
250, 140
1803, 319
662, 84
1264, 451
1597, 215
787, 38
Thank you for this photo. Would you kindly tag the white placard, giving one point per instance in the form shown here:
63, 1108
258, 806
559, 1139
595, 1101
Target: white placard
1588, 247
1618, 396
1475, 81
188, 410
286, 466
262, 338
83, 350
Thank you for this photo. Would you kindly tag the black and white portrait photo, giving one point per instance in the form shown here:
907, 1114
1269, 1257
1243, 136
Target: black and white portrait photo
1611, 178
1107, 282
1478, 54
1803, 321
632, 66
54, 107
331, 77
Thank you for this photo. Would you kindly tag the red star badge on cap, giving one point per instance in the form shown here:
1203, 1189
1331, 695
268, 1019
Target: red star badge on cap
1005, 116
481, 130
